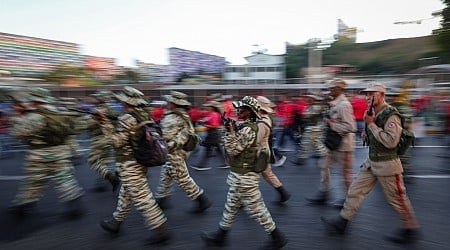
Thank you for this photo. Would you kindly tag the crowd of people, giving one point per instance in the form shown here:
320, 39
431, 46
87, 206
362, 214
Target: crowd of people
238, 131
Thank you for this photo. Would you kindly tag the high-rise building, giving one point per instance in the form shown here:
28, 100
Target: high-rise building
194, 62
32, 57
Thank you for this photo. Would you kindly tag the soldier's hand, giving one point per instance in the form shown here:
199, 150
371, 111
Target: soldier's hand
369, 118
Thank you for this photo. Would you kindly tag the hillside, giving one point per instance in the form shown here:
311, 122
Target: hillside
381, 57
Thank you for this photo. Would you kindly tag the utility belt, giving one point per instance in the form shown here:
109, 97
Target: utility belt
241, 169
382, 156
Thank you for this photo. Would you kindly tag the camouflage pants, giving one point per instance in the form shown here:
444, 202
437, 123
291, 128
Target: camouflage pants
135, 190
244, 192
176, 170
36, 178
270, 177
394, 191
312, 137
100, 155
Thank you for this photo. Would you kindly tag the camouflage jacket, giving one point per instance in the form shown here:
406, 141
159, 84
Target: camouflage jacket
123, 136
28, 127
174, 128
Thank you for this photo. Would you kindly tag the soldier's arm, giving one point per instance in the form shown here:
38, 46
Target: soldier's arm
389, 136
26, 126
346, 123
172, 126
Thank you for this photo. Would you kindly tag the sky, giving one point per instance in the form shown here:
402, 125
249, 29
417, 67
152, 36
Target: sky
144, 29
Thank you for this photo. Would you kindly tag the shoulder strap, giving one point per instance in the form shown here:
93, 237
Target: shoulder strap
183, 117
141, 123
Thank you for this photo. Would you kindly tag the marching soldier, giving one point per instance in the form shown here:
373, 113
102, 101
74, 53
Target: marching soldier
48, 156
342, 121
101, 150
265, 141
383, 165
312, 136
241, 148
175, 125
133, 176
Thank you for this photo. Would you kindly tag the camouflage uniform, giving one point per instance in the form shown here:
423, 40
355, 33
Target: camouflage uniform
134, 188
43, 161
100, 156
174, 128
243, 181
312, 136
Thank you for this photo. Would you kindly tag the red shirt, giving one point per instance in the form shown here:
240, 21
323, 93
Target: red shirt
286, 111
212, 120
196, 114
359, 107
157, 113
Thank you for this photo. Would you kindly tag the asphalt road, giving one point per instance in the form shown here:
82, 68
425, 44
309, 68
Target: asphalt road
47, 228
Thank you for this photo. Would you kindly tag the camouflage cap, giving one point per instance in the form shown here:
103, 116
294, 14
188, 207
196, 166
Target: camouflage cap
178, 98
249, 102
337, 83
131, 96
40, 95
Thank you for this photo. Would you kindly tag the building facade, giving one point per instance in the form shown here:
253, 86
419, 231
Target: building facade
31, 57
260, 69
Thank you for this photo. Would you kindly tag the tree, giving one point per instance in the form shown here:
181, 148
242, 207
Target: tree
443, 33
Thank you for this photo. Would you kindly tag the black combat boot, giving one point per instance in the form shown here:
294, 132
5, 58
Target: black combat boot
404, 236
23, 210
163, 202
320, 198
114, 180
111, 225
278, 240
160, 235
203, 204
75, 208
217, 238
284, 195
335, 225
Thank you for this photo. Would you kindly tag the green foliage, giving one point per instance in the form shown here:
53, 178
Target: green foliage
443, 33
63, 72
129, 76
392, 56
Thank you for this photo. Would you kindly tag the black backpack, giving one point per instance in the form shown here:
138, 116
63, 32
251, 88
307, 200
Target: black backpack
150, 148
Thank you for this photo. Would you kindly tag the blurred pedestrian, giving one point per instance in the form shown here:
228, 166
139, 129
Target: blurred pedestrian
175, 126
133, 176
213, 140
264, 140
340, 119
48, 156
383, 165
241, 149
313, 134
399, 100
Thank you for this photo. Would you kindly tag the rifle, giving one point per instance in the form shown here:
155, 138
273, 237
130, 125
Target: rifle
93, 113
228, 122
369, 112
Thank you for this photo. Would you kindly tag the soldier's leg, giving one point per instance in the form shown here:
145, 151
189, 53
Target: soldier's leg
317, 141
270, 177
306, 144
123, 204
180, 174
231, 208
65, 183
395, 192
347, 169
165, 181
31, 187
255, 207
325, 171
142, 197
360, 187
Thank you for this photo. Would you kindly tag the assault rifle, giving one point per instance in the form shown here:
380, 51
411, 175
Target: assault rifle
369, 112
95, 113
